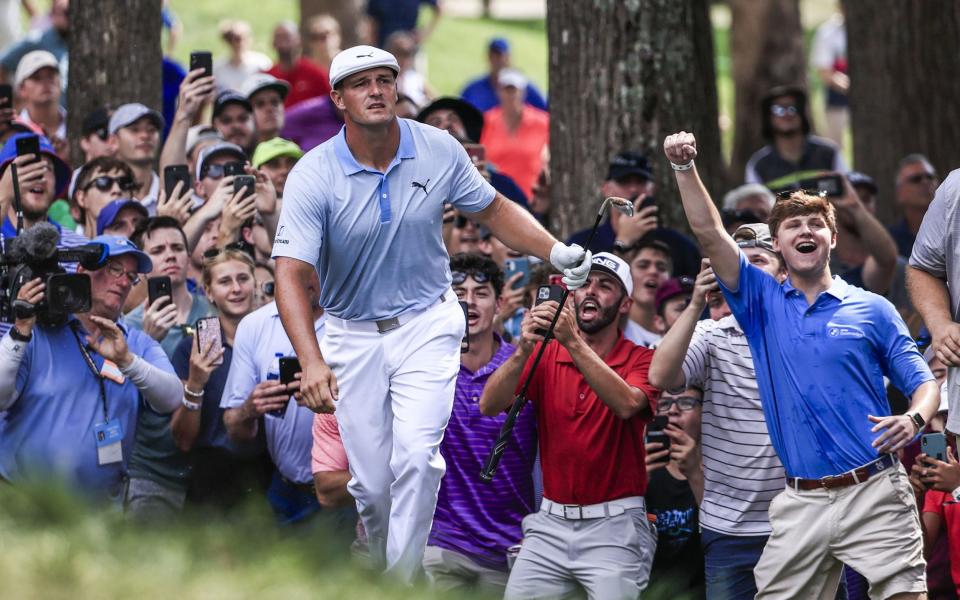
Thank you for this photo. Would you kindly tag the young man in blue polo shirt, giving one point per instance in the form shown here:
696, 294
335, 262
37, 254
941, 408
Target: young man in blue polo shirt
822, 348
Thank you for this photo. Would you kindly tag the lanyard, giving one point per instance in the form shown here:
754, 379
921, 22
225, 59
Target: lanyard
93, 368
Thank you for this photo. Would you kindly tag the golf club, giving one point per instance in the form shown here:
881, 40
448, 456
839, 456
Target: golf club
621, 205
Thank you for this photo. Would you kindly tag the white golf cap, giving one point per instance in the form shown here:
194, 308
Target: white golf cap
201, 133
128, 114
616, 266
264, 81
360, 58
512, 78
33, 62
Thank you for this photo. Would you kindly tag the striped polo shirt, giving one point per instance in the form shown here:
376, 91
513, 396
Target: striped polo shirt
476, 519
741, 470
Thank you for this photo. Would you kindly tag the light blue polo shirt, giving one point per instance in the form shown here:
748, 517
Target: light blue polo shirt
374, 237
49, 430
259, 337
820, 368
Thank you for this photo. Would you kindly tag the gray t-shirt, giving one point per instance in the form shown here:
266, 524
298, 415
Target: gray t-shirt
937, 252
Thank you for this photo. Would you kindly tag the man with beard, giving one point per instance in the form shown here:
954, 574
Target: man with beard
593, 401
233, 118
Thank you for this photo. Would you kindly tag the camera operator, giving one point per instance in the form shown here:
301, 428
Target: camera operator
72, 393
593, 401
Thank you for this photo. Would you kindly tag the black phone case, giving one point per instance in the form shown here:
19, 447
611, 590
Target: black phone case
202, 60
157, 287
174, 174
245, 181
289, 367
28, 145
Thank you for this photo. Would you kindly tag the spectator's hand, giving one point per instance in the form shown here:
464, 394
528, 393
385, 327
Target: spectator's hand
537, 318
159, 317
33, 293
266, 194
657, 456
318, 388
684, 450
266, 397
194, 92
900, 429
212, 208
28, 173
202, 365
566, 330
237, 209
178, 206
849, 203
631, 229
943, 476
680, 148
511, 300
573, 262
916, 471
112, 344
946, 344
706, 282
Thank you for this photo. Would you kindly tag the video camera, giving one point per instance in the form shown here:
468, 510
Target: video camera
33, 254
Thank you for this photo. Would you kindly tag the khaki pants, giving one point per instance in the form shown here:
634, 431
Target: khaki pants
873, 527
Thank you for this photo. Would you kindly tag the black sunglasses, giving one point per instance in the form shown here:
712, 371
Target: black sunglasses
105, 183
268, 287
461, 222
460, 276
920, 178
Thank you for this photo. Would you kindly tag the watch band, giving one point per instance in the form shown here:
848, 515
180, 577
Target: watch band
19, 337
191, 406
918, 420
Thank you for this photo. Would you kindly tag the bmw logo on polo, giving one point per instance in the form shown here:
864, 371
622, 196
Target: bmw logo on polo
843, 331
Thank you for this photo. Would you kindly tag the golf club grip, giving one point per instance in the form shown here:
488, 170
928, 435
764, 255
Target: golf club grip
501, 444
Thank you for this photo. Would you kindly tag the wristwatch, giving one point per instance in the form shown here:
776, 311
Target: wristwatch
918, 420
956, 494
19, 337
621, 246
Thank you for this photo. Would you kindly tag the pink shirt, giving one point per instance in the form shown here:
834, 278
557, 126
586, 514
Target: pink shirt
328, 453
519, 153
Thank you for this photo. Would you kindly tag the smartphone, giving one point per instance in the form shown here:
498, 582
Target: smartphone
656, 433
157, 287
208, 330
934, 445
512, 266
465, 342
647, 201
247, 182
202, 59
831, 185
476, 152
289, 367
546, 293
234, 168
29, 144
174, 174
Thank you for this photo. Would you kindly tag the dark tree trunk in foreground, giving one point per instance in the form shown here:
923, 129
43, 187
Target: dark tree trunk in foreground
766, 50
115, 58
904, 86
623, 75
349, 13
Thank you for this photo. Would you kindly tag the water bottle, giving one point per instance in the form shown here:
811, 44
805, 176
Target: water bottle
274, 375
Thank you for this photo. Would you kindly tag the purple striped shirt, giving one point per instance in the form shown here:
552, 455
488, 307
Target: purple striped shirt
481, 520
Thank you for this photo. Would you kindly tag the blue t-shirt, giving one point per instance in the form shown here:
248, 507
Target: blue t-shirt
172, 76
375, 238
820, 368
481, 93
395, 15
49, 430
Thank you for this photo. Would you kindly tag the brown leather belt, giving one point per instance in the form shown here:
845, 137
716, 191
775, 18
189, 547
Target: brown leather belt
853, 477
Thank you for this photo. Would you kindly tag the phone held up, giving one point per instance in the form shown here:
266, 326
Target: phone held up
158, 287
656, 433
547, 293
202, 59
934, 445
173, 174
208, 332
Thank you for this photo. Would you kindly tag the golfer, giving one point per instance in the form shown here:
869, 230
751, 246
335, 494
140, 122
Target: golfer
365, 209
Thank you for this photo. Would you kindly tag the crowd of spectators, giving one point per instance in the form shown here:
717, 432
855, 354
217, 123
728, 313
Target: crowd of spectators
128, 406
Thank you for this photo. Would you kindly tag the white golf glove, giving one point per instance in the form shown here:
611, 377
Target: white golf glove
573, 262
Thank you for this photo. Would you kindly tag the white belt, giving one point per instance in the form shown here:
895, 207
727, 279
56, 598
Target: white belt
593, 511
387, 325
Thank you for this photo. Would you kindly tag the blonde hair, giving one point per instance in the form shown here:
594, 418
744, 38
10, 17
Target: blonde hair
221, 257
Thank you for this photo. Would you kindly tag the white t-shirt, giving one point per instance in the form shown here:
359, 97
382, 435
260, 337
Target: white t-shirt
231, 77
640, 336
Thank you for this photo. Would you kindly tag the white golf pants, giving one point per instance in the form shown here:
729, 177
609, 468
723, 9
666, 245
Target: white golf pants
396, 394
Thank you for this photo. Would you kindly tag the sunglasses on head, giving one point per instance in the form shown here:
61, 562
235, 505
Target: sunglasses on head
920, 178
782, 111
104, 183
242, 246
460, 276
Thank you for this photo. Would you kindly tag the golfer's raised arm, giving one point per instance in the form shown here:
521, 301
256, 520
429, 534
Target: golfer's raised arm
702, 214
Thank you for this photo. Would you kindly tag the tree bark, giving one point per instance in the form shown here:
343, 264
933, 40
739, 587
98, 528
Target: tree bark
766, 50
623, 75
115, 58
904, 87
349, 13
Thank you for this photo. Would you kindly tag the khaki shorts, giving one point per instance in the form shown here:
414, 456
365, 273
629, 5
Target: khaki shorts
873, 527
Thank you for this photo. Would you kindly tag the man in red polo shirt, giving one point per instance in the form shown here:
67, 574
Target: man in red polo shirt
593, 401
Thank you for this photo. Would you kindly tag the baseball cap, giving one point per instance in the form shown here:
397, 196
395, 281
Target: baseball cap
512, 78
671, 288
264, 81
33, 62
754, 235
499, 44
218, 148
109, 214
228, 97
201, 133
97, 122
613, 265
629, 163
61, 169
118, 245
858, 179
360, 58
470, 116
128, 114
275, 148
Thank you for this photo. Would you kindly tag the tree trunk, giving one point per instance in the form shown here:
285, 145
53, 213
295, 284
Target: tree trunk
349, 13
904, 86
623, 75
766, 50
115, 58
